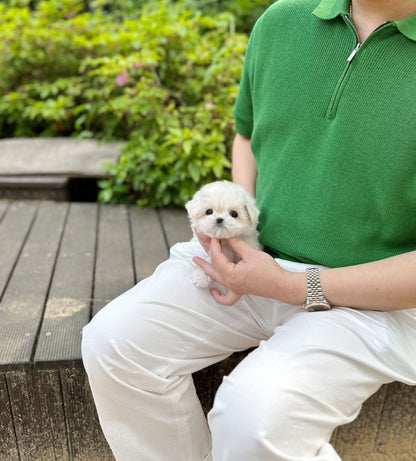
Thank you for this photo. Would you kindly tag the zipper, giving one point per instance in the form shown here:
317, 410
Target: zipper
336, 95
354, 52
347, 17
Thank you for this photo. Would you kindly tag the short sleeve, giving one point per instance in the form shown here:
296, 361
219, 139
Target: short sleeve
243, 108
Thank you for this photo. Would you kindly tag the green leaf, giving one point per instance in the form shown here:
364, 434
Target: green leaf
105, 195
187, 146
194, 172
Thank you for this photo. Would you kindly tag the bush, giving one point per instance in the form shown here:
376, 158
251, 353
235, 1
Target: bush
165, 82
177, 99
246, 12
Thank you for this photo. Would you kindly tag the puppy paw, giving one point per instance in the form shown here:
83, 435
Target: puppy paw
200, 278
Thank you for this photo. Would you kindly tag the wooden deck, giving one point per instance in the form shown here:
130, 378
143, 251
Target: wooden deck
59, 264
62, 262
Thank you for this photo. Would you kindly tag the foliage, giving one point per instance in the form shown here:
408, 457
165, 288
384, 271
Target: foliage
246, 12
165, 81
184, 87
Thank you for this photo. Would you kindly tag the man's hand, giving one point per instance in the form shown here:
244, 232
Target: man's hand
255, 273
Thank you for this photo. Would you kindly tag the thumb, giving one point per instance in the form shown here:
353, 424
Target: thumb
226, 299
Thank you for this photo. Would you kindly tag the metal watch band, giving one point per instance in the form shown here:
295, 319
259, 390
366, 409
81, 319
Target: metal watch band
315, 300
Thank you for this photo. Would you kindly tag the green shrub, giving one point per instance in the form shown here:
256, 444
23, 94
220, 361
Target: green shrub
164, 81
246, 12
178, 98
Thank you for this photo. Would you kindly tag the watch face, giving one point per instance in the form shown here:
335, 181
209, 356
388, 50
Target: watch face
314, 307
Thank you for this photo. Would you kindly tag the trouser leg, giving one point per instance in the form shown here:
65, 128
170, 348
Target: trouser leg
281, 403
284, 400
139, 353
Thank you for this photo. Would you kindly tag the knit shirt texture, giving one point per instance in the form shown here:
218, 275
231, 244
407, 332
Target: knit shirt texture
333, 133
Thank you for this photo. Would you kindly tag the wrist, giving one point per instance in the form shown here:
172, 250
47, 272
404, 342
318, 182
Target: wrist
293, 288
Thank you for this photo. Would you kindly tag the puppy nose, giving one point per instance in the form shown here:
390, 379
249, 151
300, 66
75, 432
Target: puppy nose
220, 220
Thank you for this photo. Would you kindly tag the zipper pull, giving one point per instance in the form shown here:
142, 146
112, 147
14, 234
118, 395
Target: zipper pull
354, 52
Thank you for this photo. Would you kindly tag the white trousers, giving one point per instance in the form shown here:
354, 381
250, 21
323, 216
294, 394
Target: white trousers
310, 373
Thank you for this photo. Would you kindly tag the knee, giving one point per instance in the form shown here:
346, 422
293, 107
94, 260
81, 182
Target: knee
96, 349
123, 351
254, 417
108, 346
242, 421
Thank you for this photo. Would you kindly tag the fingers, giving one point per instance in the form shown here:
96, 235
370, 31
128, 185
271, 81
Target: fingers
220, 257
238, 245
207, 268
227, 299
220, 269
204, 240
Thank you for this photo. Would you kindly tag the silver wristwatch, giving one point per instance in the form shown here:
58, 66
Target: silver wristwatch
315, 300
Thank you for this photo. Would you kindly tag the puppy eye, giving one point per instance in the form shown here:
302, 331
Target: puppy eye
209, 211
233, 214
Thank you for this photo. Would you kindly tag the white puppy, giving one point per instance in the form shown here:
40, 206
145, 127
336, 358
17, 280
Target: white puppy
221, 210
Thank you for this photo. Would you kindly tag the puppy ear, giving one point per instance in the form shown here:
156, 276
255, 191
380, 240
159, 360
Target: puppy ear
252, 211
193, 205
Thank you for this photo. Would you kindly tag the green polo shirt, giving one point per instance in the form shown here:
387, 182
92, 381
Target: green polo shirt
333, 132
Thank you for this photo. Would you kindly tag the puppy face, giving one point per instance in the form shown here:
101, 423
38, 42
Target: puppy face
223, 209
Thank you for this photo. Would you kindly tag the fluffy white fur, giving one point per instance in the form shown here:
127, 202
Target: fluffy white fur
221, 210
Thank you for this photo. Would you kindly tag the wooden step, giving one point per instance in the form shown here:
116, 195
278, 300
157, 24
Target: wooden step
34, 188
60, 264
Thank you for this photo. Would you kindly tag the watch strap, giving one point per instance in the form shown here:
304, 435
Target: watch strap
315, 300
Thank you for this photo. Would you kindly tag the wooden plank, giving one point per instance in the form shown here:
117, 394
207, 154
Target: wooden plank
22, 305
14, 226
8, 444
85, 438
65, 156
203, 380
68, 305
149, 246
176, 225
114, 272
4, 204
34, 187
397, 426
374, 457
359, 437
38, 415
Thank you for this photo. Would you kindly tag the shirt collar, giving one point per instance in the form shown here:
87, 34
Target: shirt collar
330, 9
407, 26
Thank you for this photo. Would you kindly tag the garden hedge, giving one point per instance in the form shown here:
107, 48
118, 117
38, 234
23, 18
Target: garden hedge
161, 75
